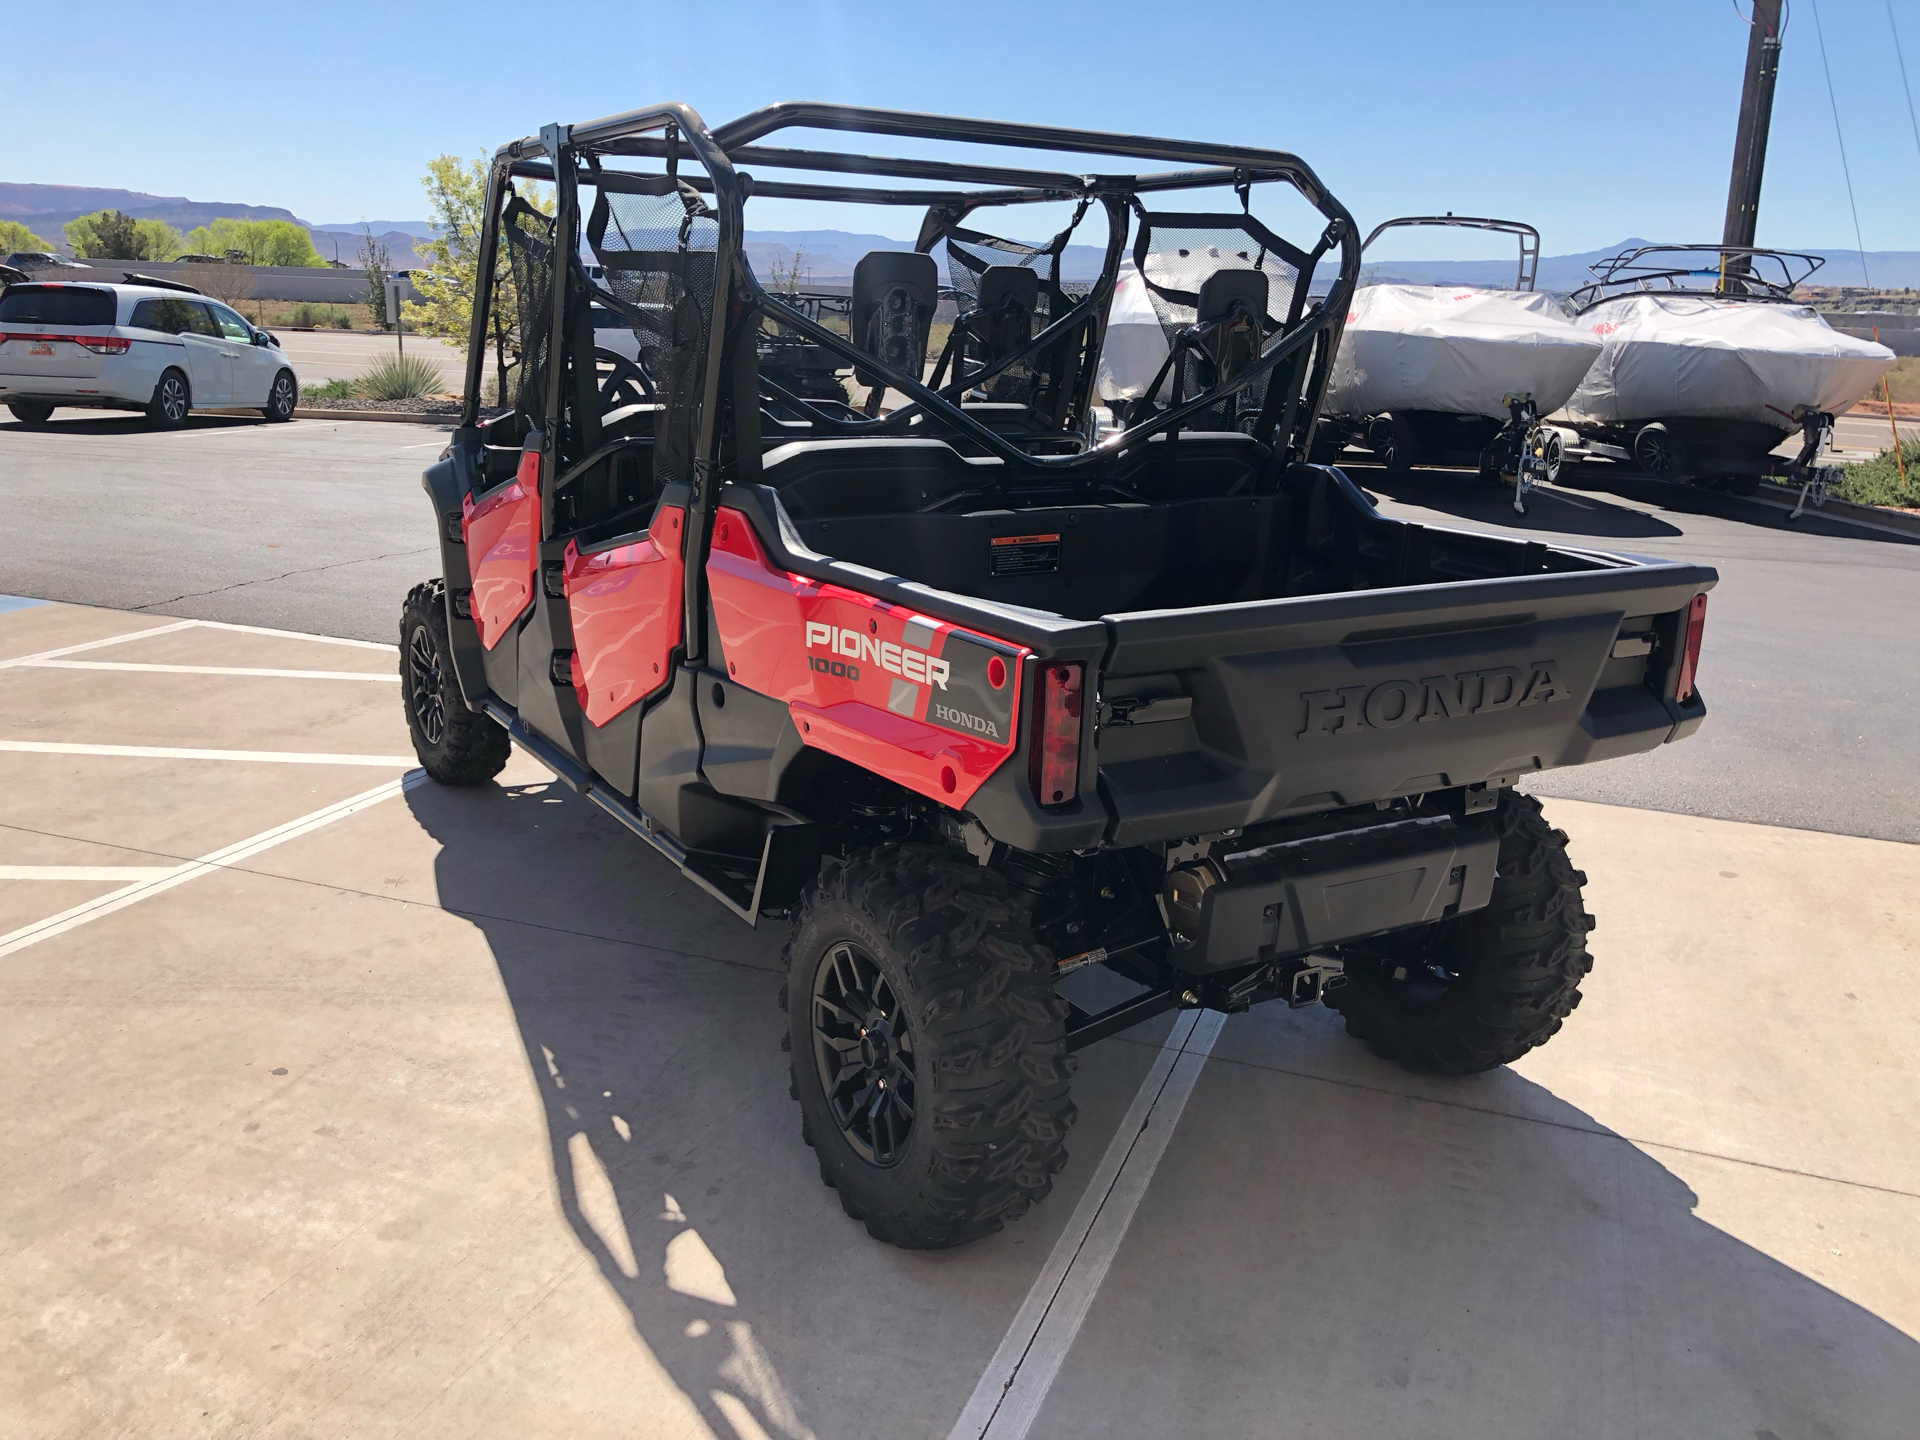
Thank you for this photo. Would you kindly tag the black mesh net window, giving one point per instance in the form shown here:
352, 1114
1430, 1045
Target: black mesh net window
659, 255
1176, 254
1039, 380
522, 318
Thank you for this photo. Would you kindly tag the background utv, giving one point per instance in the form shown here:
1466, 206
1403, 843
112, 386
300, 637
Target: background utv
971, 702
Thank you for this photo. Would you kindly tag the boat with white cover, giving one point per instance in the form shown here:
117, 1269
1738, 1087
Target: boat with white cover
1455, 374
1708, 362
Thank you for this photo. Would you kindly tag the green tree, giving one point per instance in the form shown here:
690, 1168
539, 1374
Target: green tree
116, 235
258, 242
375, 260
15, 236
457, 198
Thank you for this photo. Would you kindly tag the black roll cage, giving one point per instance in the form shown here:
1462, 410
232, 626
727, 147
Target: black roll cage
567, 155
1528, 236
1733, 275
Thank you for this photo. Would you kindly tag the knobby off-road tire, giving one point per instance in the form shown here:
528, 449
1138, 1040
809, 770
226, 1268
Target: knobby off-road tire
455, 746
962, 1019
1482, 989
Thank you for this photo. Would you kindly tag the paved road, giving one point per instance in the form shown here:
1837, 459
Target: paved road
1811, 664
345, 354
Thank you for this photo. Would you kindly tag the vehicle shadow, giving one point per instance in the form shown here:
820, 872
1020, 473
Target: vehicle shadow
1463, 495
1311, 1228
118, 422
1573, 506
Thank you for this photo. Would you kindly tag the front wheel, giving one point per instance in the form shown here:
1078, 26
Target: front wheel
1480, 990
928, 1047
282, 398
172, 400
456, 746
31, 412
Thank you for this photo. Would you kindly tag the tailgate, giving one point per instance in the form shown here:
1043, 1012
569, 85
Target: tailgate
31, 354
1216, 718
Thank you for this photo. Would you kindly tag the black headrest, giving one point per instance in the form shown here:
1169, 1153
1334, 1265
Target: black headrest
1220, 289
1000, 283
894, 295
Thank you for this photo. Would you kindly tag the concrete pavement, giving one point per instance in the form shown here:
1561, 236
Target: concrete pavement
319, 355
460, 1113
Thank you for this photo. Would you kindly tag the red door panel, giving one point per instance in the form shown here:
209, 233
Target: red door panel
502, 532
626, 605
917, 700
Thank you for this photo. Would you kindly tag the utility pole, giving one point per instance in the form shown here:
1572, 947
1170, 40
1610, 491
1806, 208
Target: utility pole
1750, 140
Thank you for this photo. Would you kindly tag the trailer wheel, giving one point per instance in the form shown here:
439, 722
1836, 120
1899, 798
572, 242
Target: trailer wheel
455, 745
1393, 443
1554, 456
1480, 990
1659, 452
928, 1048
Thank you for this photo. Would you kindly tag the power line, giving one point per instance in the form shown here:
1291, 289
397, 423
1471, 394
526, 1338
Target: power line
1845, 170
1904, 85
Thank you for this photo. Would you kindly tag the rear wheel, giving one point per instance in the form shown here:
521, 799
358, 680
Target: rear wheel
455, 745
1393, 442
282, 398
172, 400
928, 1047
1480, 990
31, 412
1659, 452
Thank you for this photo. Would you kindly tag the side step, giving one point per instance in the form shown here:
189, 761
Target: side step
787, 854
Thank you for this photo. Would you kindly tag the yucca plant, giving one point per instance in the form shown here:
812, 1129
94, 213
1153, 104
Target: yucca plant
400, 377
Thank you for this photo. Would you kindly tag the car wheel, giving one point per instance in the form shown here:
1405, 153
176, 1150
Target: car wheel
172, 400
282, 398
31, 412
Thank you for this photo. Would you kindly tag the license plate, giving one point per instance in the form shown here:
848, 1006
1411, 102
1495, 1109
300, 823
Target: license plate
40, 349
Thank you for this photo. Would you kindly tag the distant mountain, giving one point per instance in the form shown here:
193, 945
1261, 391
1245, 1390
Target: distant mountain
45, 208
1886, 269
418, 229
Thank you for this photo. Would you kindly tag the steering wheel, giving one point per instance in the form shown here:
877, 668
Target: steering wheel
626, 385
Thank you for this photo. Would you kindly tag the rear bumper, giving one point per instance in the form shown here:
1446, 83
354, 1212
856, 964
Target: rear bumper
1305, 895
124, 383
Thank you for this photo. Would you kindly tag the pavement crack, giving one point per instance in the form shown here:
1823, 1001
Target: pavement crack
287, 575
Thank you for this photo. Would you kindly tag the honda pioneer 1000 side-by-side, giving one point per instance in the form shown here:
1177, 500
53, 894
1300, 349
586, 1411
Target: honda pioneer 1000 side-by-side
972, 694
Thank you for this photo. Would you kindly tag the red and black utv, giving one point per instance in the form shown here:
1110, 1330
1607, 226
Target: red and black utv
971, 697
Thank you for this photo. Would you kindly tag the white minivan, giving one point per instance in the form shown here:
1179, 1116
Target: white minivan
160, 348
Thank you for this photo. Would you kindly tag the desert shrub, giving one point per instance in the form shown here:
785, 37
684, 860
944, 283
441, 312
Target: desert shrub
328, 390
399, 377
1877, 481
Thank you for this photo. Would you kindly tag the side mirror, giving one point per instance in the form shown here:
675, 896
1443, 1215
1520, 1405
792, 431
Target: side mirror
262, 337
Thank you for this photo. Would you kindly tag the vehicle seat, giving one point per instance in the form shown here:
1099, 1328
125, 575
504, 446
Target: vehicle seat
1233, 302
1002, 318
894, 296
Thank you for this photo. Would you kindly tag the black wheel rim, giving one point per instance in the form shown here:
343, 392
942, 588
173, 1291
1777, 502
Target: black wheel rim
1655, 457
173, 399
863, 1049
423, 688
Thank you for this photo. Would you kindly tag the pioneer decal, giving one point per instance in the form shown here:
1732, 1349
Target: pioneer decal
855, 645
1393, 703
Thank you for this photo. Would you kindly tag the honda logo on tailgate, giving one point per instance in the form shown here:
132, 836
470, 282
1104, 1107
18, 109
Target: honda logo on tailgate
1393, 703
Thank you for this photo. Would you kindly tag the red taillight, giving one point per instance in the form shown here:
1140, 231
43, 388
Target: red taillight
1055, 768
1690, 651
98, 344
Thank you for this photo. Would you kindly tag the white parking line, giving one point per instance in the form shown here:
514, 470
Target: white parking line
38, 656
1008, 1398
377, 676
126, 874
17, 940
166, 752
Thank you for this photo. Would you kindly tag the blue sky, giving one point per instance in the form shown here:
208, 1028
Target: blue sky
1592, 121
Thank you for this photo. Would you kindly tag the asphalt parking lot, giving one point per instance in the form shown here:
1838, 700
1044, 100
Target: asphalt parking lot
343, 1103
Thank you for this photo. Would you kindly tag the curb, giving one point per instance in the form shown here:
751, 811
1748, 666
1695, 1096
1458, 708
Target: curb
1873, 517
403, 417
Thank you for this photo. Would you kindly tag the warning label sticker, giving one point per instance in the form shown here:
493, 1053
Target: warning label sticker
1025, 554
